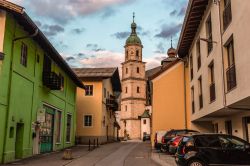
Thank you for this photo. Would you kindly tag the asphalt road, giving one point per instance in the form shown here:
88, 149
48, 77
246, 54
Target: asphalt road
114, 154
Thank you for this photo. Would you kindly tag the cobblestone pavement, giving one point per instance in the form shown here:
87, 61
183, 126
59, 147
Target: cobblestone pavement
115, 154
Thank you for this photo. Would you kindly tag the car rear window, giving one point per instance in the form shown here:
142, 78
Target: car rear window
207, 141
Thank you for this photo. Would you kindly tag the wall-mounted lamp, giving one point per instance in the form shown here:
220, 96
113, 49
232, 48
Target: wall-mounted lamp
1, 56
207, 40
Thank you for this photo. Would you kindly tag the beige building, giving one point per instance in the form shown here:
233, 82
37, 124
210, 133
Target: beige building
97, 105
133, 87
215, 37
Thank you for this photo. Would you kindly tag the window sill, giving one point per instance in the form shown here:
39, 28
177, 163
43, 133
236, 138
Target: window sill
212, 101
68, 142
58, 143
231, 89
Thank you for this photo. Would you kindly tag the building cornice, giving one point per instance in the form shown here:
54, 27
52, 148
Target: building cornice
133, 98
133, 61
133, 78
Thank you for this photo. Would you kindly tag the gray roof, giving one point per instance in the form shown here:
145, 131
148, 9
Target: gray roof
94, 72
153, 71
145, 114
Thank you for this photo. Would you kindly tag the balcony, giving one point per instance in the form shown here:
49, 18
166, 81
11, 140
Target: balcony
51, 80
231, 78
201, 101
212, 92
111, 103
227, 15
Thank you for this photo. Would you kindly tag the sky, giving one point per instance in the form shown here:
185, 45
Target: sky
92, 33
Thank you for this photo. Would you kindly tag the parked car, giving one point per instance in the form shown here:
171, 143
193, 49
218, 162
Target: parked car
146, 137
171, 134
157, 139
212, 149
173, 144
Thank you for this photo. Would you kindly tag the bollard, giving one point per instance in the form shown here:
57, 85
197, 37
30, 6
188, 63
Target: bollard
67, 155
94, 143
89, 144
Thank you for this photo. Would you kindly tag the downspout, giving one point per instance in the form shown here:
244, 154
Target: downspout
185, 94
222, 58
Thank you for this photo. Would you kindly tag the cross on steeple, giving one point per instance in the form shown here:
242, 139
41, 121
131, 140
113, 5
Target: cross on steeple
171, 42
133, 16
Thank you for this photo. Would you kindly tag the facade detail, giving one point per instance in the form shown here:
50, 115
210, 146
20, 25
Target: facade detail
37, 91
98, 105
133, 97
214, 38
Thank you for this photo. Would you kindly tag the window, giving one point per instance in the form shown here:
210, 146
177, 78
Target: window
137, 54
127, 55
227, 14
58, 126
212, 84
200, 93
87, 120
198, 54
104, 92
138, 70
126, 108
138, 89
88, 90
126, 70
24, 54
62, 81
47, 63
230, 73
228, 127
216, 128
144, 121
192, 97
209, 34
191, 67
126, 89
207, 141
229, 142
68, 128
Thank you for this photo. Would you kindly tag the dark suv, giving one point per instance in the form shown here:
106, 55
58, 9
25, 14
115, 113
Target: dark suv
171, 134
212, 149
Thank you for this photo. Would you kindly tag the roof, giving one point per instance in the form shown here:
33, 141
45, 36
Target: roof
151, 72
100, 73
29, 26
133, 38
193, 17
163, 69
145, 114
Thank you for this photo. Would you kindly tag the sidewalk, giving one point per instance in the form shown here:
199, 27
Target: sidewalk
52, 159
163, 158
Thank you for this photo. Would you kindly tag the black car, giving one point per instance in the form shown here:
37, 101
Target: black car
146, 137
171, 134
212, 149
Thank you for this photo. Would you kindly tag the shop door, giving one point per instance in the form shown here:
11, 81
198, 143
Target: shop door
19, 140
46, 132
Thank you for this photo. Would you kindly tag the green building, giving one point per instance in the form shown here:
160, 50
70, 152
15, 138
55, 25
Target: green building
37, 90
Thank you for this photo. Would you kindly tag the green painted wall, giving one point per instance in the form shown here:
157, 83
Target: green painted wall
22, 93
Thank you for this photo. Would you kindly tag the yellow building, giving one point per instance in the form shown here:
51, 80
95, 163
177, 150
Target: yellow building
170, 105
97, 105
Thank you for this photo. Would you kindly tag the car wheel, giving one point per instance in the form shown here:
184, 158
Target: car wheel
196, 163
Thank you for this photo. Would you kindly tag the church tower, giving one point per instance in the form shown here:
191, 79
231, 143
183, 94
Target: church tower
133, 98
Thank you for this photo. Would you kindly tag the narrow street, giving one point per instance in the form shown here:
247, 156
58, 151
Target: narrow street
114, 154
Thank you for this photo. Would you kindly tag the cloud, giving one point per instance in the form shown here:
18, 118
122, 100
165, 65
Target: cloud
160, 48
69, 58
51, 30
154, 61
78, 30
94, 47
169, 30
108, 12
63, 11
121, 35
182, 12
173, 13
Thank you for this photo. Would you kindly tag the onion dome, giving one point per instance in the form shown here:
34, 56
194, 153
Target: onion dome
133, 38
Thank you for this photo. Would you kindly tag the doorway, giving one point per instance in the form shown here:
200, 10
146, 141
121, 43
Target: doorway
46, 131
19, 141
246, 121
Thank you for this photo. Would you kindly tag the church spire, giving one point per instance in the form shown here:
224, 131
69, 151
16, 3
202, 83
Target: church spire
133, 38
133, 25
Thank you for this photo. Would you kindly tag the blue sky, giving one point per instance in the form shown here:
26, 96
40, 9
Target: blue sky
92, 33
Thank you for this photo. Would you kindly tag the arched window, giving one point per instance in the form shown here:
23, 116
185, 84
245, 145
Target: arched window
126, 70
137, 53
138, 89
127, 54
138, 70
126, 89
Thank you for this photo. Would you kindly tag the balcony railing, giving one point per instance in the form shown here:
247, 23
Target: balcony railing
191, 73
212, 92
201, 101
193, 107
231, 78
111, 103
227, 15
51, 80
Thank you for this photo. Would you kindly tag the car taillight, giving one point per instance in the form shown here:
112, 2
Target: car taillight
183, 150
162, 140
